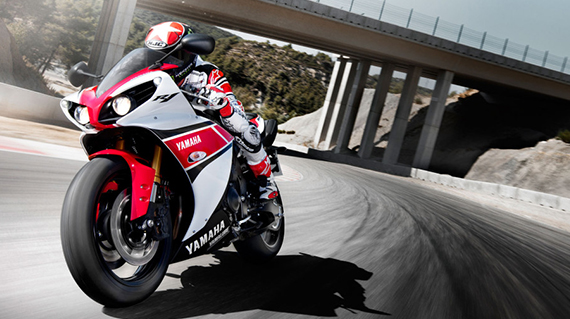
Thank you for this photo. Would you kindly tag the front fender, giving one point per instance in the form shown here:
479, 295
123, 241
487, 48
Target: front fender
142, 179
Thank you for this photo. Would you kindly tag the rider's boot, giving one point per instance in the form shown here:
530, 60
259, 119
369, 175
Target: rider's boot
270, 190
264, 214
262, 171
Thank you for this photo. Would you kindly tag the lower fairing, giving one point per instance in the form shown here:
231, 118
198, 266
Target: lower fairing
215, 234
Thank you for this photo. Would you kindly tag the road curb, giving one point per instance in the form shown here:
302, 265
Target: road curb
505, 191
521, 194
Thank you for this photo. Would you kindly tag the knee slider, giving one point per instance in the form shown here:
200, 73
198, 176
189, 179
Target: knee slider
251, 138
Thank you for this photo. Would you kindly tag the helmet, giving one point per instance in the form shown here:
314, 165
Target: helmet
164, 37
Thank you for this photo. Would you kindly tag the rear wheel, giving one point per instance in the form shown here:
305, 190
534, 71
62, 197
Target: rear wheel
113, 261
263, 247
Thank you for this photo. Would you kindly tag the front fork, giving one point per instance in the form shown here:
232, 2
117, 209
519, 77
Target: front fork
156, 185
150, 195
144, 182
159, 208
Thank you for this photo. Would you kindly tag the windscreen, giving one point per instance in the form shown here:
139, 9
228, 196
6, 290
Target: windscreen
131, 63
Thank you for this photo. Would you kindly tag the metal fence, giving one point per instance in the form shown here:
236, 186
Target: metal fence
410, 19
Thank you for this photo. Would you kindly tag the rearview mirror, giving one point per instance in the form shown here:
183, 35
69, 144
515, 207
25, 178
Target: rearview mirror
77, 75
198, 43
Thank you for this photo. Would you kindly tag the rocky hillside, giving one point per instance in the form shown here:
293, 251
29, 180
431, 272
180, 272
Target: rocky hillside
480, 122
541, 168
496, 139
278, 82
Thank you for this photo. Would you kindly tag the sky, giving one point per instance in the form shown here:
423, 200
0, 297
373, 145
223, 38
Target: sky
543, 25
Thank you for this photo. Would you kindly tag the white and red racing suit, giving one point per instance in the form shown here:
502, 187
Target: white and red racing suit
206, 79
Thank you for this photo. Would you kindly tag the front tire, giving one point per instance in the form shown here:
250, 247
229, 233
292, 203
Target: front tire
95, 215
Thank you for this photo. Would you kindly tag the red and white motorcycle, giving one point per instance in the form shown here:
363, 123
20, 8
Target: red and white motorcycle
164, 183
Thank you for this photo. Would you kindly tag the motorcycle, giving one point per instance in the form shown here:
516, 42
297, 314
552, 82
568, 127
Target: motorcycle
164, 182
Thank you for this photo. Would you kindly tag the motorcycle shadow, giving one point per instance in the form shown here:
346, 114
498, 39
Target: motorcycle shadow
295, 284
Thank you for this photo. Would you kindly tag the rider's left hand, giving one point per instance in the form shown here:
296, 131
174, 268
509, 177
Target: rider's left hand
216, 97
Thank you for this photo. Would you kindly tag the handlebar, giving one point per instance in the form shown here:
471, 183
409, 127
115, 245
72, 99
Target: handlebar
196, 96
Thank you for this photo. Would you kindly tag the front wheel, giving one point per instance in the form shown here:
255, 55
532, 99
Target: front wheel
112, 261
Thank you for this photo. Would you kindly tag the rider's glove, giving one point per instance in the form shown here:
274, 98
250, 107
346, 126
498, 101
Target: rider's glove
214, 97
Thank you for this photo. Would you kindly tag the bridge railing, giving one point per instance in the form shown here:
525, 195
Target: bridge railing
408, 18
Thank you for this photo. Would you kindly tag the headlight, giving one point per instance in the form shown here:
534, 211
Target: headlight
121, 105
126, 102
81, 114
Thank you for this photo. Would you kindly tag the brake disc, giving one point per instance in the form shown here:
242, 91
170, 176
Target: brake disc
135, 246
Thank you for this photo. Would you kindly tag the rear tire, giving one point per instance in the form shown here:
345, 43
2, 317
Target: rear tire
261, 248
89, 210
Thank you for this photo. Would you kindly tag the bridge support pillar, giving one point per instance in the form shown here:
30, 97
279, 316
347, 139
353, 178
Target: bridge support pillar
378, 101
111, 35
433, 119
352, 107
330, 100
340, 104
398, 130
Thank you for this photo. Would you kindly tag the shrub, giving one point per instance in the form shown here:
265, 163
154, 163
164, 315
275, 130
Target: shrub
564, 135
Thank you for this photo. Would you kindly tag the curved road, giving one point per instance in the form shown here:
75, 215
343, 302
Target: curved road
358, 244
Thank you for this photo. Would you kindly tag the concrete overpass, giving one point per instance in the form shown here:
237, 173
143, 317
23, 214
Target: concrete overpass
361, 42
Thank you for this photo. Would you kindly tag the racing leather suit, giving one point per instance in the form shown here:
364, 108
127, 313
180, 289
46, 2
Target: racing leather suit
206, 79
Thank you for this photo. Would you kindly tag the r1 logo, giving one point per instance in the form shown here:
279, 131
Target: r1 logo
165, 97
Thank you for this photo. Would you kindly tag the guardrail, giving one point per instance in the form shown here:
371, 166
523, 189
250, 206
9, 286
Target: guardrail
32, 106
521, 194
410, 19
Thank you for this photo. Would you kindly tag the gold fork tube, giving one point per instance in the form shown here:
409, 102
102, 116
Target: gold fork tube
156, 162
120, 144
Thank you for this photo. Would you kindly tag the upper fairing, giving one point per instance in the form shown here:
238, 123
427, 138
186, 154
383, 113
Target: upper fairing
167, 109
73, 97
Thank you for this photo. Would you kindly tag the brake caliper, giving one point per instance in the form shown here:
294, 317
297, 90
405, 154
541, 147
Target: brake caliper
156, 221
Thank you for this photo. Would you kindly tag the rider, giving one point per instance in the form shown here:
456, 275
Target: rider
205, 79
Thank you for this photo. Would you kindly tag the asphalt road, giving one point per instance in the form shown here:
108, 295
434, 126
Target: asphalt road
358, 244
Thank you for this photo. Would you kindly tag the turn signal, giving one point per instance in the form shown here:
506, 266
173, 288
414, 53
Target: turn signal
196, 156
